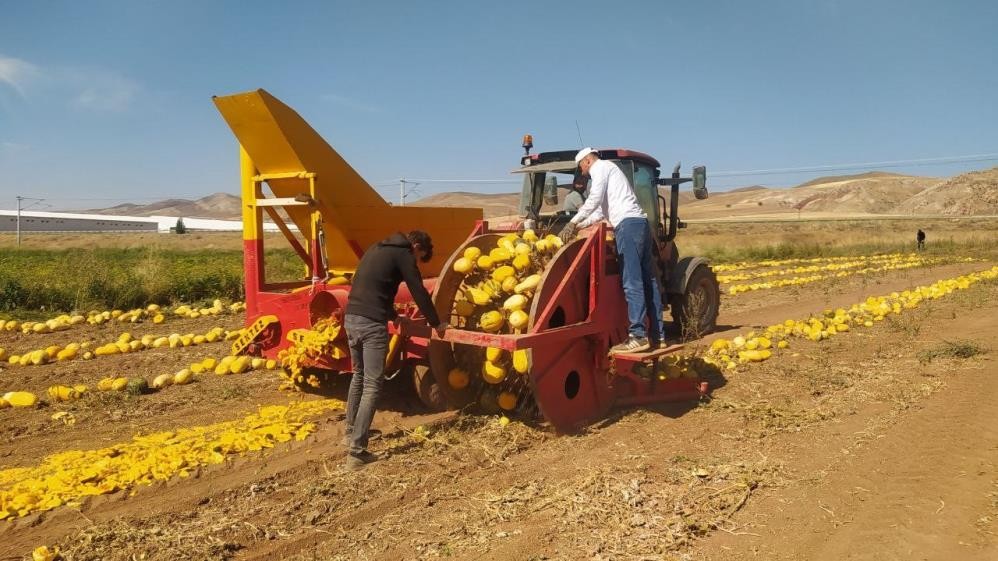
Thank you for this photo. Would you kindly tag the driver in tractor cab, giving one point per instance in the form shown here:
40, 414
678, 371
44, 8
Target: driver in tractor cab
370, 306
611, 195
577, 195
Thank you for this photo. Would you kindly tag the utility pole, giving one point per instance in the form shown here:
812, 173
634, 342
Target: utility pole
20, 199
402, 192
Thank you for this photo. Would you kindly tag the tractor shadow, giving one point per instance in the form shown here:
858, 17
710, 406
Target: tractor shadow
397, 394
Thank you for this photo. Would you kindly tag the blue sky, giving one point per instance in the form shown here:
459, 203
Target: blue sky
112, 100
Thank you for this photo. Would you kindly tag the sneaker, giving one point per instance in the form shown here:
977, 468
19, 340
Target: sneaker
632, 345
355, 462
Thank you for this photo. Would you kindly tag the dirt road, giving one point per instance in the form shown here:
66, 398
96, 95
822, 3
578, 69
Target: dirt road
919, 482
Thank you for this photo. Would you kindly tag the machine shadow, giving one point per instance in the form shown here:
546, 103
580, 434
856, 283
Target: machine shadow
673, 409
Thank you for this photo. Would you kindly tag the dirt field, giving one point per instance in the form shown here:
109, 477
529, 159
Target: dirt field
873, 445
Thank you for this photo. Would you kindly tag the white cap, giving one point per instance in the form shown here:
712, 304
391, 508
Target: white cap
583, 153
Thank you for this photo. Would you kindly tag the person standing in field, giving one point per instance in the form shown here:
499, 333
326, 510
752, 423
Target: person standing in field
370, 306
611, 194
920, 238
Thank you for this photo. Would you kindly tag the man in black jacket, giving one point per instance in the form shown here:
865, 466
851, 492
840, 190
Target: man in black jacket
370, 307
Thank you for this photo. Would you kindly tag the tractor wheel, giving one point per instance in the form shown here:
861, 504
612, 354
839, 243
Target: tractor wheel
427, 388
694, 312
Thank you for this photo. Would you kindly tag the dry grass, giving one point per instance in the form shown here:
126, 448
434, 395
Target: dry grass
196, 241
724, 242
163, 539
628, 512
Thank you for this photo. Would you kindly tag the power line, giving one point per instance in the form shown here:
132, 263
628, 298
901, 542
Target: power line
126, 198
783, 171
864, 165
458, 181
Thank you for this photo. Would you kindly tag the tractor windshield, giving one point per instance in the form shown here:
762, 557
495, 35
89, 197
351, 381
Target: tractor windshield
546, 186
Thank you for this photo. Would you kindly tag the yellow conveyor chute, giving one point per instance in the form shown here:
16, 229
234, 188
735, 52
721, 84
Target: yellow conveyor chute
313, 184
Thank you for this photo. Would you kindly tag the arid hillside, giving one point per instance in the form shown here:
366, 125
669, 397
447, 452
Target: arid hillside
872, 193
970, 193
858, 195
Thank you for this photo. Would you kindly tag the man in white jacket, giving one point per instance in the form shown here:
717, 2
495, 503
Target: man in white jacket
612, 196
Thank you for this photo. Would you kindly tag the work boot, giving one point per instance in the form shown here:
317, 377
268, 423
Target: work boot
355, 462
632, 345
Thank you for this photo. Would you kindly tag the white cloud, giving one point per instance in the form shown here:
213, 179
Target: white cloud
16, 73
102, 91
7, 146
350, 103
93, 89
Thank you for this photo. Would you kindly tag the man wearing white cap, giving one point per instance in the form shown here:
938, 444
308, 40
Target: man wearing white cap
611, 193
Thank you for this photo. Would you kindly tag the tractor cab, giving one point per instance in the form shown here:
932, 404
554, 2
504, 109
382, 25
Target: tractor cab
688, 284
545, 173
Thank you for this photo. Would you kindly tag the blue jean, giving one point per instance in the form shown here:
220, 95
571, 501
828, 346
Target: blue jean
368, 341
634, 238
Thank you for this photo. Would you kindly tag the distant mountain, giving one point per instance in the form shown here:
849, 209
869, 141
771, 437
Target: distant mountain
839, 178
217, 205
862, 194
748, 189
492, 204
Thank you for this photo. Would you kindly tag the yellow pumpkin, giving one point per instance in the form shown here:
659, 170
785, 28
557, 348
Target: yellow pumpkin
518, 319
491, 321
507, 401
472, 253
493, 373
457, 378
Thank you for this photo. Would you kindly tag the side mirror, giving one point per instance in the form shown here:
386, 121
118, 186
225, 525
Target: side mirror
700, 182
551, 190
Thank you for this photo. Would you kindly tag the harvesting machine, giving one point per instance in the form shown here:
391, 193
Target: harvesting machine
329, 215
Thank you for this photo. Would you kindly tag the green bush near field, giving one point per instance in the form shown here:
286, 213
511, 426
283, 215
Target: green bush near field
80, 280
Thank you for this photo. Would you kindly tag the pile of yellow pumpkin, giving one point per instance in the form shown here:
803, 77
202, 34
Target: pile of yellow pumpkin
495, 294
67, 477
125, 343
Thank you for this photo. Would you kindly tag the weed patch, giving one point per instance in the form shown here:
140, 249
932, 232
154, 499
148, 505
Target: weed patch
951, 349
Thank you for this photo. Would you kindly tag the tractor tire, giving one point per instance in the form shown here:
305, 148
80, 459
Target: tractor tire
427, 388
694, 312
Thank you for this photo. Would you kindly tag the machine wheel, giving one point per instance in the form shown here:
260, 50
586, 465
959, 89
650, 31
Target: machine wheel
565, 378
694, 312
427, 388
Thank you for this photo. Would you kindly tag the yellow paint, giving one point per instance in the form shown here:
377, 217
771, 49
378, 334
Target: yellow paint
278, 146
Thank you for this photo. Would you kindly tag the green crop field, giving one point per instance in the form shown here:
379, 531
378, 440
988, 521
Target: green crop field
106, 271
63, 280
